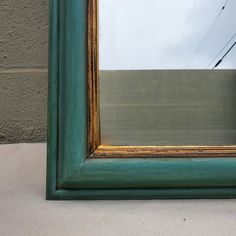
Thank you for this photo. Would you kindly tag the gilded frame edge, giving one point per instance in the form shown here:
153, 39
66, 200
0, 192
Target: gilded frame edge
53, 193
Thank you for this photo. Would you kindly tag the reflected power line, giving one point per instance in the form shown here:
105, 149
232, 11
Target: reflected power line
208, 32
221, 51
219, 62
184, 30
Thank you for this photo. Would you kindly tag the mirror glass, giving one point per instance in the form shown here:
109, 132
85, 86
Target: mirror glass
167, 72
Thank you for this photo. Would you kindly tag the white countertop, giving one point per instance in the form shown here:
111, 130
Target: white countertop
24, 210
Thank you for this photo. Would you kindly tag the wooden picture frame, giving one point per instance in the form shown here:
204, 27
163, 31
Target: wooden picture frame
78, 167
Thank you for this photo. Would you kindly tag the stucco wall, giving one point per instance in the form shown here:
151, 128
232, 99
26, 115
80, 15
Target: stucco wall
23, 70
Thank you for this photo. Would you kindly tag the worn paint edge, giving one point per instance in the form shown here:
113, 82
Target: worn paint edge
52, 143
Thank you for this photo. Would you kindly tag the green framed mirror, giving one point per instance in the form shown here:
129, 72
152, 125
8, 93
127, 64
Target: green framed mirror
120, 128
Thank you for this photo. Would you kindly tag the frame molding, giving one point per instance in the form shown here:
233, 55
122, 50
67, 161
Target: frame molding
73, 172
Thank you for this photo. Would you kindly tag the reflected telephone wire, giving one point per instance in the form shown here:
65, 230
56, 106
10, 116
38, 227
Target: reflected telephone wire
208, 32
220, 61
221, 51
184, 30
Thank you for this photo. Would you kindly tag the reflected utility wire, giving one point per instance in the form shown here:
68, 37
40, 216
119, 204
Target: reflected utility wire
208, 32
184, 30
221, 51
219, 62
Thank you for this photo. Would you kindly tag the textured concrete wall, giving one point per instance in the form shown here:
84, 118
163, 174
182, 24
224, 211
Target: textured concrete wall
23, 70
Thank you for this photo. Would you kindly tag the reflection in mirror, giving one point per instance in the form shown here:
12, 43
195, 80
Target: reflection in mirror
167, 72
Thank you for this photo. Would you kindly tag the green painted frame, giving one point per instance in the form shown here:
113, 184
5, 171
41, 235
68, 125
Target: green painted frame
70, 173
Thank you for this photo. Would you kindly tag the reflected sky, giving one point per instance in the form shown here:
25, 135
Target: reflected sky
166, 34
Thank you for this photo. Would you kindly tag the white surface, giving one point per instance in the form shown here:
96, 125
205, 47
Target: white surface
24, 210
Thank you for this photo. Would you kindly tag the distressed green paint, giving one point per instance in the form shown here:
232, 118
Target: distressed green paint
154, 173
139, 194
70, 175
52, 100
72, 87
